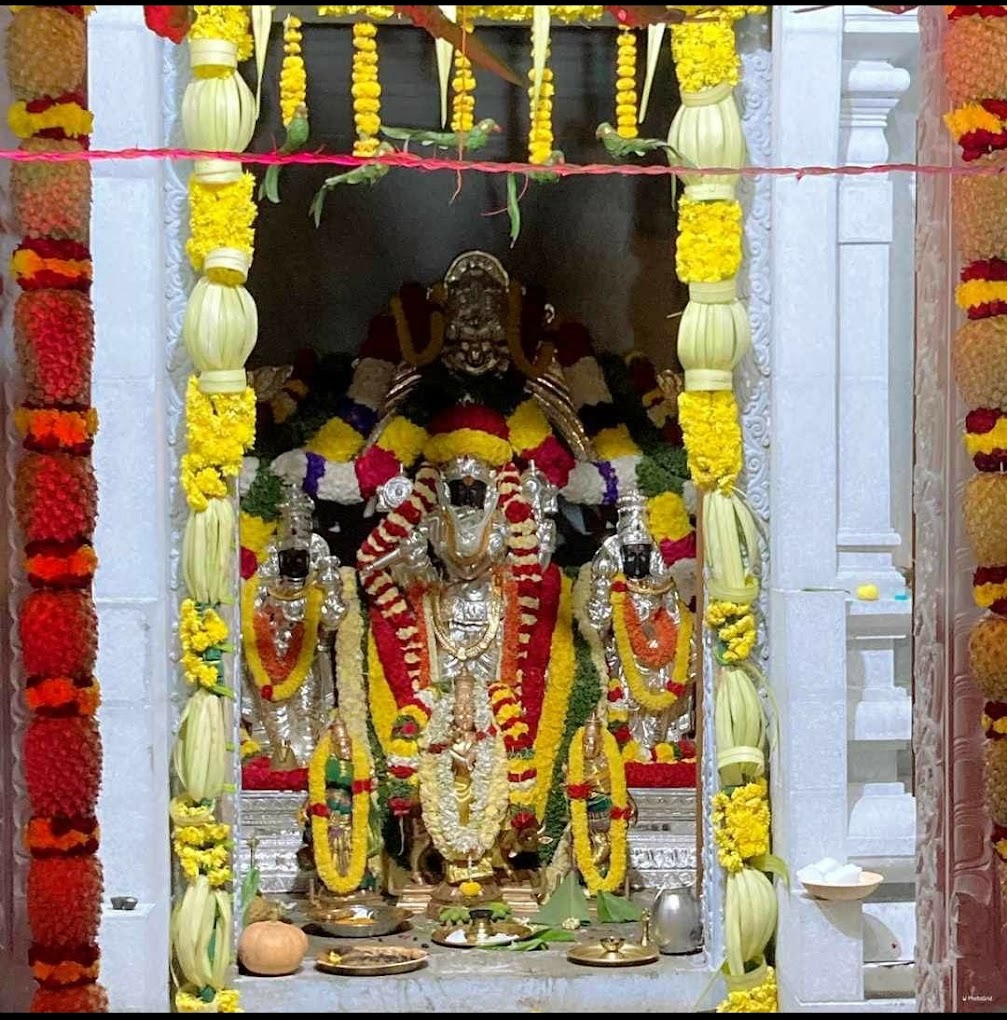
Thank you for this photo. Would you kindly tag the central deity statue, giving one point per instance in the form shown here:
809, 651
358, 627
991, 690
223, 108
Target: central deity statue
471, 419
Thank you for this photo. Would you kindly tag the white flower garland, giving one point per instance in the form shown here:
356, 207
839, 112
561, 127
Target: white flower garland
457, 842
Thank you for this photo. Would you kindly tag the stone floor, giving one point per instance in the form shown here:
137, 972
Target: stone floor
488, 981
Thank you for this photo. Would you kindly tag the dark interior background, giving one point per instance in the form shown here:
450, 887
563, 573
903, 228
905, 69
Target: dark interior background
602, 247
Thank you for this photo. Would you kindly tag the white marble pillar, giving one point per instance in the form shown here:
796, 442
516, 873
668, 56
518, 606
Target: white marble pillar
130, 586
808, 627
865, 535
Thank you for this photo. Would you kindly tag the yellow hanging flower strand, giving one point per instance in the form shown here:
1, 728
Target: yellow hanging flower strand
336, 881
613, 879
293, 76
626, 111
366, 89
540, 137
463, 102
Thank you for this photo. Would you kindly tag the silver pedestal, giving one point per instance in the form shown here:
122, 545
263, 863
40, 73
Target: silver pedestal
662, 843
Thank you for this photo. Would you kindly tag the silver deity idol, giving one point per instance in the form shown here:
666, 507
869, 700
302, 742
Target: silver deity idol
630, 578
293, 610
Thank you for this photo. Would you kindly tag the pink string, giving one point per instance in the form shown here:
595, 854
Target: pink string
409, 161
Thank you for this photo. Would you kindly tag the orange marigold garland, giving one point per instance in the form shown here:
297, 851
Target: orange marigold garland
977, 84
56, 503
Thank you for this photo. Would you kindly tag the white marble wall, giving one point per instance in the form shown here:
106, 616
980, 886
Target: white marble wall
130, 455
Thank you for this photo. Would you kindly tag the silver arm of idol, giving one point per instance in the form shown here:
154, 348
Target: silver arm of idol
604, 567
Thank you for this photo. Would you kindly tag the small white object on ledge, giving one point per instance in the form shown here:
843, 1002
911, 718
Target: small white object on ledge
830, 880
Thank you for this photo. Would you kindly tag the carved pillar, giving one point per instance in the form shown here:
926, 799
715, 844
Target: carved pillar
865, 536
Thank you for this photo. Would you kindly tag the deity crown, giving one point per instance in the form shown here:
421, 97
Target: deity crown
632, 527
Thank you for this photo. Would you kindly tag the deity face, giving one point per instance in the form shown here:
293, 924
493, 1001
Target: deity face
636, 560
592, 738
467, 492
293, 566
475, 310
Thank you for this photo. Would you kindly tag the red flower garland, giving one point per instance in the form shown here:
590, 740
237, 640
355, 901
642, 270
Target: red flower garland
56, 501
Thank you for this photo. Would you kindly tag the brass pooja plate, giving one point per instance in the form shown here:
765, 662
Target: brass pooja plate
371, 961
514, 931
612, 953
374, 925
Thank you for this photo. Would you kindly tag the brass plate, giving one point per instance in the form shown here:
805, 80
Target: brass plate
383, 922
372, 961
627, 955
514, 929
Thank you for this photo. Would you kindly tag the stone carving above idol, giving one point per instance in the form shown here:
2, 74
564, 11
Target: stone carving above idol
646, 633
290, 611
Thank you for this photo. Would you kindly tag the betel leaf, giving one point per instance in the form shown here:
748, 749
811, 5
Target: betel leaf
614, 909
513, 208
249, 889
568, 901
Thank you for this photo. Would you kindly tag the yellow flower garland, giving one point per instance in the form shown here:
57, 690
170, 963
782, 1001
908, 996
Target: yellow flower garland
70, 118
709, 239
562, 667
705, 54
305, 657
741, 824
734, 623
366, 90
224, 21
618, 833
615, 442
332, 878
987, 442
293, 76
384, 709
540, 137
199, 631
653, 701
972, 293
712, 433
463, 102
668, 517
626, 112
220, 216
760, 999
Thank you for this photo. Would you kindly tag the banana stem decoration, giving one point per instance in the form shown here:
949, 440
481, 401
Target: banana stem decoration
714, 335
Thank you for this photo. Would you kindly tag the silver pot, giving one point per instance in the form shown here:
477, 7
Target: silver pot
676, 920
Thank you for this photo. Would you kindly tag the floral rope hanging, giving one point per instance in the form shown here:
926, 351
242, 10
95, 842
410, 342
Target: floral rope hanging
972, 57
713, 337
366, 89
626, 109
56, 503
463, 101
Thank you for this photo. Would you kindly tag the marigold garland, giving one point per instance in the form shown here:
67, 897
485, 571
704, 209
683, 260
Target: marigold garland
579, 791
223, 21
366, 89
741, 824
67, 119
705, 55
763, 998
540, 136
712, 432
342, 884
463, 100
630, 643
974, 74
220, 216
626, 110
293, 76
279, 678
709, 240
